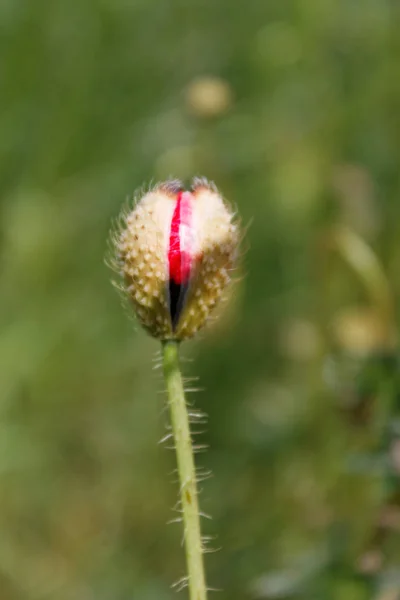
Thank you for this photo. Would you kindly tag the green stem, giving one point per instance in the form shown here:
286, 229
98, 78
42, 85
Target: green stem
186, 470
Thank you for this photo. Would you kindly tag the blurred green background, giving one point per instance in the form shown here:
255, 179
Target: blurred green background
293, 108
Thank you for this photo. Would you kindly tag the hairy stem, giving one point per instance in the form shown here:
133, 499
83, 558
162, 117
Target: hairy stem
186, 470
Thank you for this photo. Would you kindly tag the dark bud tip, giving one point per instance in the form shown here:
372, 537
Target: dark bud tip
202, 183
171, 187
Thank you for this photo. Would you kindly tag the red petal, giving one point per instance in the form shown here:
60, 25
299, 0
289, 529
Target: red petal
180, 251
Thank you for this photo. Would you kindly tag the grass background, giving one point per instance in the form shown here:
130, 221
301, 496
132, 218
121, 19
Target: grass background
292, 107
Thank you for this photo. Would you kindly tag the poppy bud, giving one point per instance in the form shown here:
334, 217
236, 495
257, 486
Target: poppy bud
175, 251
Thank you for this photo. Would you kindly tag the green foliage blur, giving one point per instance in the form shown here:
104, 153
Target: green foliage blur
293, 108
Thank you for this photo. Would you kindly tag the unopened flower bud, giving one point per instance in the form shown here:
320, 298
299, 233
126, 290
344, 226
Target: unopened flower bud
175, 252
